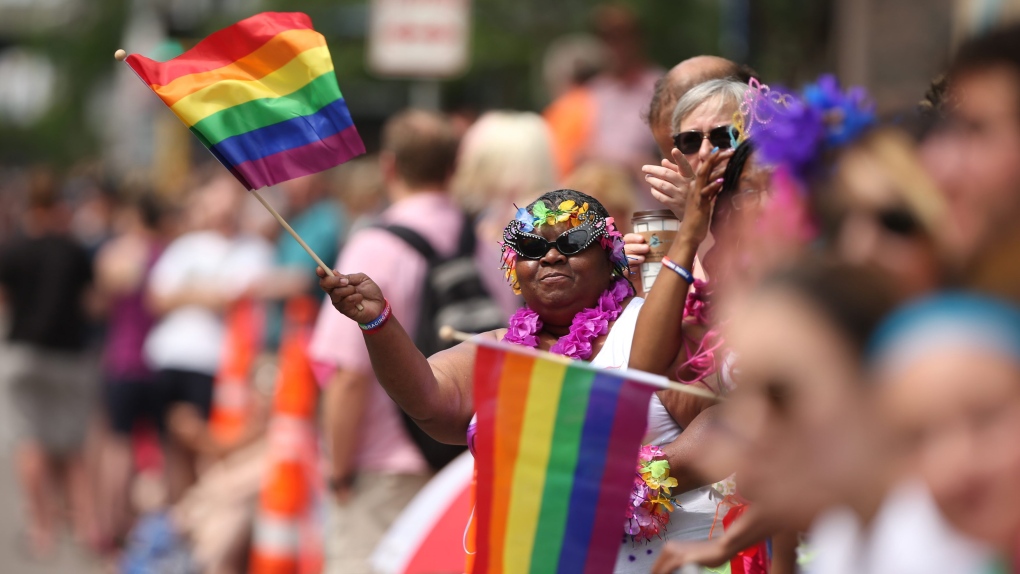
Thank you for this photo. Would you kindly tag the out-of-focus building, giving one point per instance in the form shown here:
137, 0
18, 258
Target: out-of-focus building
975, 16
893, 47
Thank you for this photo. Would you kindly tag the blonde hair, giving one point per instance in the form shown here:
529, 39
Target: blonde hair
504, 157
896, 154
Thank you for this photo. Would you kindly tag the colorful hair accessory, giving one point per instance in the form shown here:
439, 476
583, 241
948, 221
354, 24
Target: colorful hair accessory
527, 220
375, 324
651, 501
802, 129
587, 325
760, 106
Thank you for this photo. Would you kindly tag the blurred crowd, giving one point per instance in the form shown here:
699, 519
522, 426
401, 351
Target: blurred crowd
181, 396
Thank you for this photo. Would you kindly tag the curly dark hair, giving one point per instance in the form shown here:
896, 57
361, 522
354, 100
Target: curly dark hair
552, 200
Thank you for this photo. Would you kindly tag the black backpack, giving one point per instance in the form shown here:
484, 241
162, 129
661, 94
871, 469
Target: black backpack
455, 295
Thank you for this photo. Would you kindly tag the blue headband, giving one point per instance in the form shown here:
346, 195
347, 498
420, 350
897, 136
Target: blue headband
946, 321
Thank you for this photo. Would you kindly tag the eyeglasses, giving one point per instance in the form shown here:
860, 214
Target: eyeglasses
689, 142
570, 242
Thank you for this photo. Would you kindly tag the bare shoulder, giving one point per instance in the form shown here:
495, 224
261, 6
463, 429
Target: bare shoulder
458, 362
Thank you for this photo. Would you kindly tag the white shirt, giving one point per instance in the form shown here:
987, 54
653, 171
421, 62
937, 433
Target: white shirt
907, 536
190, 338
693, 520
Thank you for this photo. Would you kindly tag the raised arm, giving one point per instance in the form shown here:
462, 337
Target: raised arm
658, 337
435, 392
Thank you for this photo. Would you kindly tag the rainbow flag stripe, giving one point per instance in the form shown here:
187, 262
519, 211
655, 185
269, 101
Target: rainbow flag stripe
556, 448
262, 96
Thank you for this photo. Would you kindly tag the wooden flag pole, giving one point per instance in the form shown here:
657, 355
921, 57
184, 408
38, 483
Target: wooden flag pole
120, 55
290, 230
450, 334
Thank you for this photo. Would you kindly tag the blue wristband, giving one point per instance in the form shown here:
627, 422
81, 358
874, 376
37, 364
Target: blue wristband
683, 273
377, 323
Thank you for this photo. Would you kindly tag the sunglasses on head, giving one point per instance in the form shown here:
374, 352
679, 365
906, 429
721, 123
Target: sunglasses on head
689, 142
570, 242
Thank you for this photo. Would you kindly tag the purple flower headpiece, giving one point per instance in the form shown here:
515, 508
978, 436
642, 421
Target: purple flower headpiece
795, 131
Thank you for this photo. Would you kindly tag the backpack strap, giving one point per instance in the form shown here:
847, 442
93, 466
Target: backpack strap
414, 239
467, 243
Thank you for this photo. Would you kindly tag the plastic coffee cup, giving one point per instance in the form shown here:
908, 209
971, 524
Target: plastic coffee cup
659, 228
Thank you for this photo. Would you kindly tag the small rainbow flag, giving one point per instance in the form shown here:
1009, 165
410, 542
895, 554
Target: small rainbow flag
262, 96
556, 448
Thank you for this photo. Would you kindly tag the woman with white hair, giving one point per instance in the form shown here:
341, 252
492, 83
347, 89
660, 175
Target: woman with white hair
702, 121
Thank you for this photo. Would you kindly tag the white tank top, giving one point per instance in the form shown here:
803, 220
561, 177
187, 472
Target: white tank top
615, 354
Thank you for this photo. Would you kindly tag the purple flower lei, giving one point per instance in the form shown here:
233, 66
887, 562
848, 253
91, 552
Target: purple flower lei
585, 328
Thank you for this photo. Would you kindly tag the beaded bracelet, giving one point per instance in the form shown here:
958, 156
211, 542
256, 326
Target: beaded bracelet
683, 273
379, 322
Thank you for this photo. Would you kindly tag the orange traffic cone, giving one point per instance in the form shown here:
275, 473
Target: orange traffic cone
287, 538
232, 388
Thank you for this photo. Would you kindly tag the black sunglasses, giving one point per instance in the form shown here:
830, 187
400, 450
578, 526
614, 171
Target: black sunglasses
690, 142
899, 222
570, 242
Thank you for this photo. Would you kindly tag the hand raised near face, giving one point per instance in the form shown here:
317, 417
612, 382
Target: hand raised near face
670, 182
701, 200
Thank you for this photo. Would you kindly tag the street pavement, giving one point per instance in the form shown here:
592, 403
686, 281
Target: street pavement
14, 559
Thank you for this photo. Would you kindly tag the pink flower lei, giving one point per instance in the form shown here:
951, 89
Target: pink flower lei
587, 325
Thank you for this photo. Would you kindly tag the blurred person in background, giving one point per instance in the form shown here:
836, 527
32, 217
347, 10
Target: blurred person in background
804, 431
94, 207
979, 170
122, 268
881, 208
376, 467
621, 93
321, 222
611, 185
505, 159
359, 186
45, 280
949, 371
569, 64
195, 279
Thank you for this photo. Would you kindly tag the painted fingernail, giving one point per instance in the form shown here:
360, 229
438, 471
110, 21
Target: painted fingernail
720, 180
715, 149
648, 176
632, 258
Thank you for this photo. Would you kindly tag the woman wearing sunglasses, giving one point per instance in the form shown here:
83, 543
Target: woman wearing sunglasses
702, 121
563, 254
882, 208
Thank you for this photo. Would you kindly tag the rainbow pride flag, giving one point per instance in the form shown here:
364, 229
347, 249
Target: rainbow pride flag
262, 96
556, 447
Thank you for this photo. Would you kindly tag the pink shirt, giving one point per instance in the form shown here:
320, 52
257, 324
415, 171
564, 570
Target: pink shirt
620, 133
337, 343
